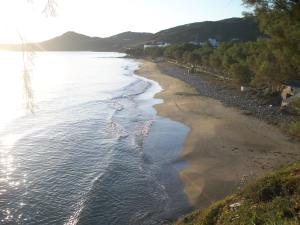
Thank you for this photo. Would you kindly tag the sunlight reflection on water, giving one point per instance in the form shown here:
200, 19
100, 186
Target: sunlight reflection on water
80, 158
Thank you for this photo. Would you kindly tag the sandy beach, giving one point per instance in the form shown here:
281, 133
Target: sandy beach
225, 148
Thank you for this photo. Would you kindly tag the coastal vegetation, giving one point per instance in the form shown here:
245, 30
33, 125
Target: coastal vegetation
272, 200
243, 29
264, 64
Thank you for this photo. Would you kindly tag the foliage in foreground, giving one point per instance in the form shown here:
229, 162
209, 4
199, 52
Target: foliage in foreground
273, 200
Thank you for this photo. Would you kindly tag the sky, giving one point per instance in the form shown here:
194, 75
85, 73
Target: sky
103, 18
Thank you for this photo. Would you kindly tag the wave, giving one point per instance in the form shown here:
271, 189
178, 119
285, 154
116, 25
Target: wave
117, 130
112, 191
135, 88
146, 127
118, 106
75, 217
141, 131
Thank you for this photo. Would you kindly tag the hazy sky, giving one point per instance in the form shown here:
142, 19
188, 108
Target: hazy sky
106, 17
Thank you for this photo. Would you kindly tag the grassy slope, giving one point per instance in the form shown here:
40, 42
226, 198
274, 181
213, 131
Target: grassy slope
273, 200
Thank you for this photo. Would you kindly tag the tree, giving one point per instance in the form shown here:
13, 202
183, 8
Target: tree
241, 73
280, 22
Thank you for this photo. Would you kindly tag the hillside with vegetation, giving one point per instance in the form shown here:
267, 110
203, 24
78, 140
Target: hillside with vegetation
265, 64
272, 200
240, 29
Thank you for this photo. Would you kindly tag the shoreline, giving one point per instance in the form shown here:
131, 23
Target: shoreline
225, 148
266, 108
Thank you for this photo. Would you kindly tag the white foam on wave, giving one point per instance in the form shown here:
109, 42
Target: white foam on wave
141, 131
118, 106
74, 218
113, 128
117, 130
135, 88
145, 128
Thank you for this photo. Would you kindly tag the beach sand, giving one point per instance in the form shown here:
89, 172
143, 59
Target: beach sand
225, 148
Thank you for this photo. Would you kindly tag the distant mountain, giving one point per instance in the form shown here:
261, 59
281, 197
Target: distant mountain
72, 41
244, 29
128, 39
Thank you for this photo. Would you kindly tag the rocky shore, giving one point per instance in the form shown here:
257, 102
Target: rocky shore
261, 107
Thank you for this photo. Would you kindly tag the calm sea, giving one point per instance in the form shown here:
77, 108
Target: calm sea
93, 151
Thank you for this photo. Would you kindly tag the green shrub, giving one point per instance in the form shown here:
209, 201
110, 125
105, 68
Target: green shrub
292, 128
273, 200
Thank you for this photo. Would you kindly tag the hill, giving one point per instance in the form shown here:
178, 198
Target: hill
274, 199
243, 29
72, 41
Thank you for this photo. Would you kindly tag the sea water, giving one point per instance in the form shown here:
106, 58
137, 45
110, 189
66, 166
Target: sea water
91, 148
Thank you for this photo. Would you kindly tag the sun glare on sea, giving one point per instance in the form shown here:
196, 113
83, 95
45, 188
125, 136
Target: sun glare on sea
11, 87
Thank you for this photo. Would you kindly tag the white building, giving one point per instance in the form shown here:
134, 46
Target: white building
214, 42
211, 41
197, 43
236, 39
157, 45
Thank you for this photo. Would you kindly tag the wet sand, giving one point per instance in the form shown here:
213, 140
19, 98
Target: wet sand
225, 148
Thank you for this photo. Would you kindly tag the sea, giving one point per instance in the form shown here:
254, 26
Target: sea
81, 143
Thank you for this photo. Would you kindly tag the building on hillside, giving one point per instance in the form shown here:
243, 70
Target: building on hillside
197, 43
213, 42
236, 39
157, 45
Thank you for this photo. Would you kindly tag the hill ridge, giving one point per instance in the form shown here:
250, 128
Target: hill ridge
245, 29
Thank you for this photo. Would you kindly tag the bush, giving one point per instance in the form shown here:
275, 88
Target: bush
292, 128
241, 73
273, 200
